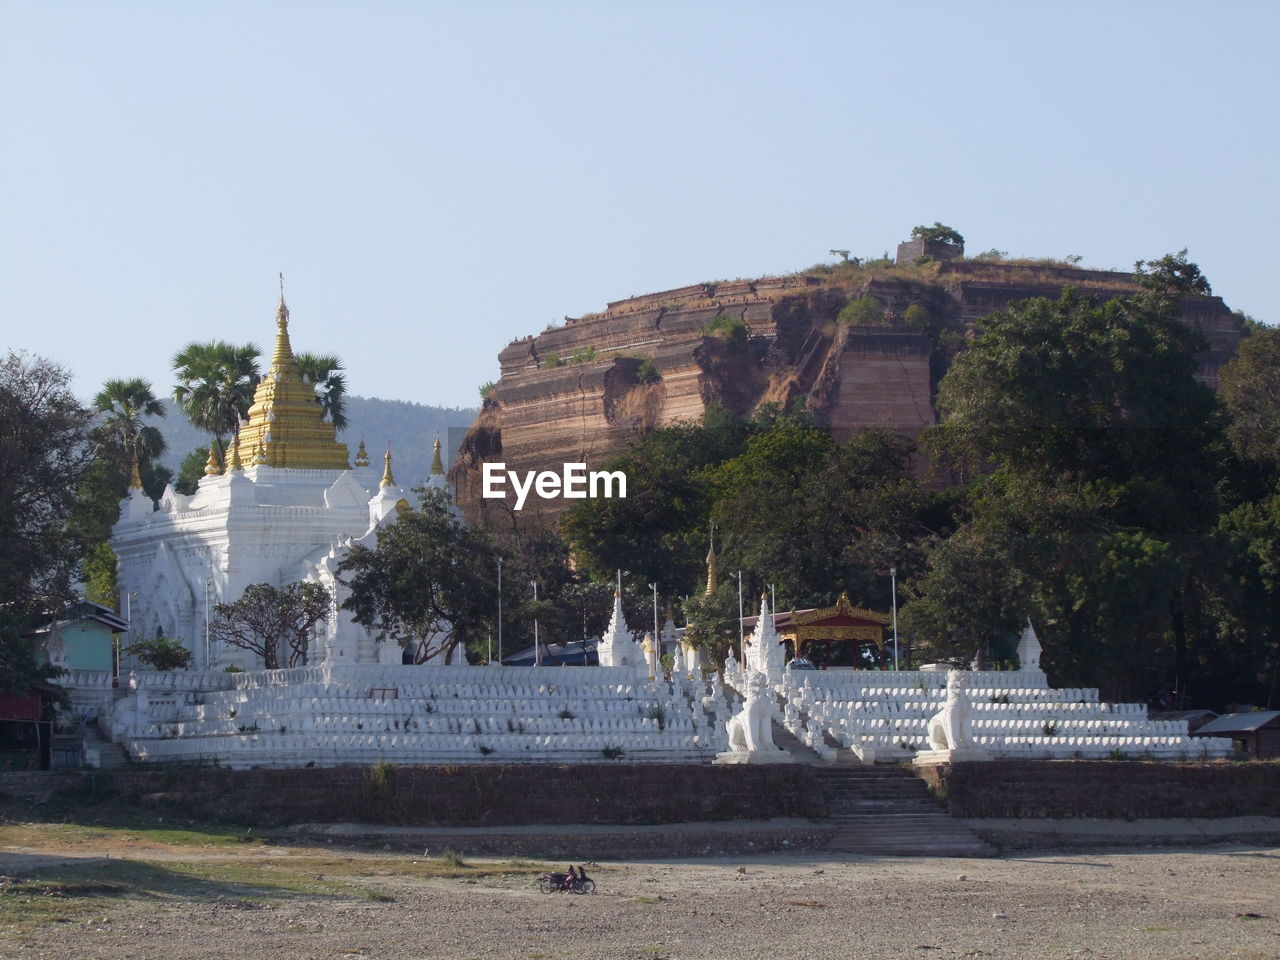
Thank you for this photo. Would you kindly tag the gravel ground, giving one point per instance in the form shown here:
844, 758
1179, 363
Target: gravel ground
1187, 903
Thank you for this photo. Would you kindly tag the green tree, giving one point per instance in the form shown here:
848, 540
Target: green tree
659, 531
1104, 453
938, 233
161, 653
430, 585
276, 623
862, 312
1251, 391
123, 406
1074, 389
44, 452
712, 619
191, 471
215, 386
324, 372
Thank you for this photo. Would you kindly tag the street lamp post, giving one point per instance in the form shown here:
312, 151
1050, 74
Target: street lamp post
499, 611
893, 579
742, 637
657, 643
207, 581
537, 648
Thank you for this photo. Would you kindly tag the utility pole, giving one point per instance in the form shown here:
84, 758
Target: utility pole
657, 643
499, 611
537, 649
207, 581
893, 579
742, 637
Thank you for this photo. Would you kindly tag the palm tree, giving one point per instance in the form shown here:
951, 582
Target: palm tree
321, 370
126, 403
215, 386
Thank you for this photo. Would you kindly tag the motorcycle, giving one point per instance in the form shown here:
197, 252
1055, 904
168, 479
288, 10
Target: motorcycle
551, 882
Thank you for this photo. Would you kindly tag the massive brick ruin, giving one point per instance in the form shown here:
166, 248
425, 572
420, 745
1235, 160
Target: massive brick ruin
581, 391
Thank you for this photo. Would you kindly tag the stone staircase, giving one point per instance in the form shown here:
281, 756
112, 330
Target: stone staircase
888, 811
111, 755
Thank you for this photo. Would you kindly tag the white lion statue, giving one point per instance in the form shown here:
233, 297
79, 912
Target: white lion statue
750, 729
949, 728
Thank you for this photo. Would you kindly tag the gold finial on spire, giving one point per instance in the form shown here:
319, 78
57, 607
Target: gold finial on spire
282, 311
387, 479
437, 465
362, 455
260, 453
211, 466
713, 577
233, 457
136, 482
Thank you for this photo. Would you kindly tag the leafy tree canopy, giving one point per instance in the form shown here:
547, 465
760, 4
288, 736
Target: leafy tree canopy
1251, 390
276, 623
430, 585
938, 233
324, 372
161, 653
216, 381
43, 455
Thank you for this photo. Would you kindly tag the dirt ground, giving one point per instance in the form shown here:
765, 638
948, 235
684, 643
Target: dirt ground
82, 892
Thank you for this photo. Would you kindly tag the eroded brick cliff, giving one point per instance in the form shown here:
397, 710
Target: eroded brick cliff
581, 391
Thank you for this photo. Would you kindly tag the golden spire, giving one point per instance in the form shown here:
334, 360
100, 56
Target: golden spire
387, 479
136, 482
283, 353
286, 426
211, 467
233, 457
362, 455
713, 578
437, 466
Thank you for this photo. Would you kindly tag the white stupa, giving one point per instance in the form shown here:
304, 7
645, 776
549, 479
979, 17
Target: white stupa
286, 508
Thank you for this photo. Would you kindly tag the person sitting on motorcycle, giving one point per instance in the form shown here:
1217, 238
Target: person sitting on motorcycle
570, 879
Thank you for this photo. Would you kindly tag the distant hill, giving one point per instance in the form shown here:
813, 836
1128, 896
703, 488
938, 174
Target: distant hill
410, 428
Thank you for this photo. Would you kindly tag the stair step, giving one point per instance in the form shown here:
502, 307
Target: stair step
887, 811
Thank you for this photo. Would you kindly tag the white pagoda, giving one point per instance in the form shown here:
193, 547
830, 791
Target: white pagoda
287, 508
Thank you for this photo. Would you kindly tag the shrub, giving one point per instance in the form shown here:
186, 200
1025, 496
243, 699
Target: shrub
486, 389
647, 373
451, 858
656, 712
162, 653
552, 360
730, 330
862, 312
1050, 728
612, 753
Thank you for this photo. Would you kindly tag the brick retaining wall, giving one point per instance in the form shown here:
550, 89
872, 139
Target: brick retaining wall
476, 795
1110, 790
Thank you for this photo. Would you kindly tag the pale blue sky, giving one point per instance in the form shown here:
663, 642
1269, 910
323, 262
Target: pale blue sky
435, 179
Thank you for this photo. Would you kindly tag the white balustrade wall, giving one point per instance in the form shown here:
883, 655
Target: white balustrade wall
884, 716
347, 713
